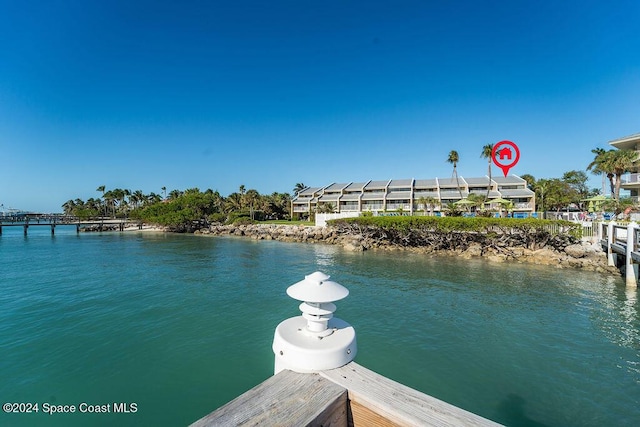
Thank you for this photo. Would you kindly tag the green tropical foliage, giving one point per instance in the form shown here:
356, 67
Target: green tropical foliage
182, 210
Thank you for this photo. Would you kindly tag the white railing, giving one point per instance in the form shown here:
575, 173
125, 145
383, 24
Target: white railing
522, 205
371, 207
322, 218
394, 206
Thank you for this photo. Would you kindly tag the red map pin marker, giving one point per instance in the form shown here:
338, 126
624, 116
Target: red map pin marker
505, 155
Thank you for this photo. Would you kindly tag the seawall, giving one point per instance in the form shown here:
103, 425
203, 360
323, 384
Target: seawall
583, 255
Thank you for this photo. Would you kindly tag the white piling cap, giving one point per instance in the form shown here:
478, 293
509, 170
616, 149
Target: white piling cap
316, 287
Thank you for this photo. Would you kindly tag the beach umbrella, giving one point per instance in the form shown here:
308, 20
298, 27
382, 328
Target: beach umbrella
598, 198
504, 203
595, 203
499, 200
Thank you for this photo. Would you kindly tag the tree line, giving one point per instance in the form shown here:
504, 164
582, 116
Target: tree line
571, 188
180, 208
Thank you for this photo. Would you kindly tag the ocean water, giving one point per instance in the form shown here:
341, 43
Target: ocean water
169, 327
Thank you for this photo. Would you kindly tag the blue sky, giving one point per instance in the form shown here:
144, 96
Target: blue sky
212, 94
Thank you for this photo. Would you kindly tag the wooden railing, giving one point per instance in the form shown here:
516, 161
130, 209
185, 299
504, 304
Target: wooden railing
348, 396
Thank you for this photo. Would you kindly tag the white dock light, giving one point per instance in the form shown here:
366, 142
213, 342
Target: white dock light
316, 340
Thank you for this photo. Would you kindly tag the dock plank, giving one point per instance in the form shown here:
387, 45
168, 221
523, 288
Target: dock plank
286, 399
395, 402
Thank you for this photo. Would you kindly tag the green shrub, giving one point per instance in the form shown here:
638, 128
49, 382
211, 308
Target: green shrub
244, 220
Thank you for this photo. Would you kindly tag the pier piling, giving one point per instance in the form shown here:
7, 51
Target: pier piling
610, 240
631, 269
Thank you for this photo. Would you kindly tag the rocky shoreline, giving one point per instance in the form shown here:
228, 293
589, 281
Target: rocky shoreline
583, 255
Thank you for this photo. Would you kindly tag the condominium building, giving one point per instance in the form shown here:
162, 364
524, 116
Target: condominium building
411, 195
631, 181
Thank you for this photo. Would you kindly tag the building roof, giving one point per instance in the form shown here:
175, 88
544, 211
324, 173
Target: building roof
478, 181
350, 197
400, 183
451, 182
425, 183
372, 196
452, 194
355, 186
376, 185
309, 191
509, 180
329, 197
627, 142
398, 195
335, 187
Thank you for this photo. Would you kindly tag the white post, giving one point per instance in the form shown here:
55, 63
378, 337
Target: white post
631, 269
610, 240
599, 236
315, 341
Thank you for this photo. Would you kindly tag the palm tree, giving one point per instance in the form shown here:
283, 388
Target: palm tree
233, 203
164, 190
109, 200
620, 162
427, 203
101, 189
174, 194
152, 198
613, 164
454, 158
251, 198
325, 207
298, 188
594, 166
487, 151
69, 207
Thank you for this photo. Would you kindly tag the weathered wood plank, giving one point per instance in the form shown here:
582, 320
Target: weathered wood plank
286, 399
361, 416
398, 403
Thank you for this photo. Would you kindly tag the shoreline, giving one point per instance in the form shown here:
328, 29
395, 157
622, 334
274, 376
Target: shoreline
584, 255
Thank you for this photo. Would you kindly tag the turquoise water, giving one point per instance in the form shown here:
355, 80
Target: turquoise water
180, 324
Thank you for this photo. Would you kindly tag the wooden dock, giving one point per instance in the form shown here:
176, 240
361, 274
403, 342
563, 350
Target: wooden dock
621, 243
348, 396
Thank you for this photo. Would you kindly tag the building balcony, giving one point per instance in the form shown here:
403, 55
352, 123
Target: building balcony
396, 206
372, 207
523, 206
631, 180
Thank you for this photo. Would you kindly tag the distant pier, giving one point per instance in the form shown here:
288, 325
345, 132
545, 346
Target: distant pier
53, 220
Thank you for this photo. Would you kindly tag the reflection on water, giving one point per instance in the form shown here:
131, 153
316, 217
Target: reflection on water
614, 309
325, 255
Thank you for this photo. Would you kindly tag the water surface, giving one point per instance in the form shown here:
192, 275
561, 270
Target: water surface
181, 324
